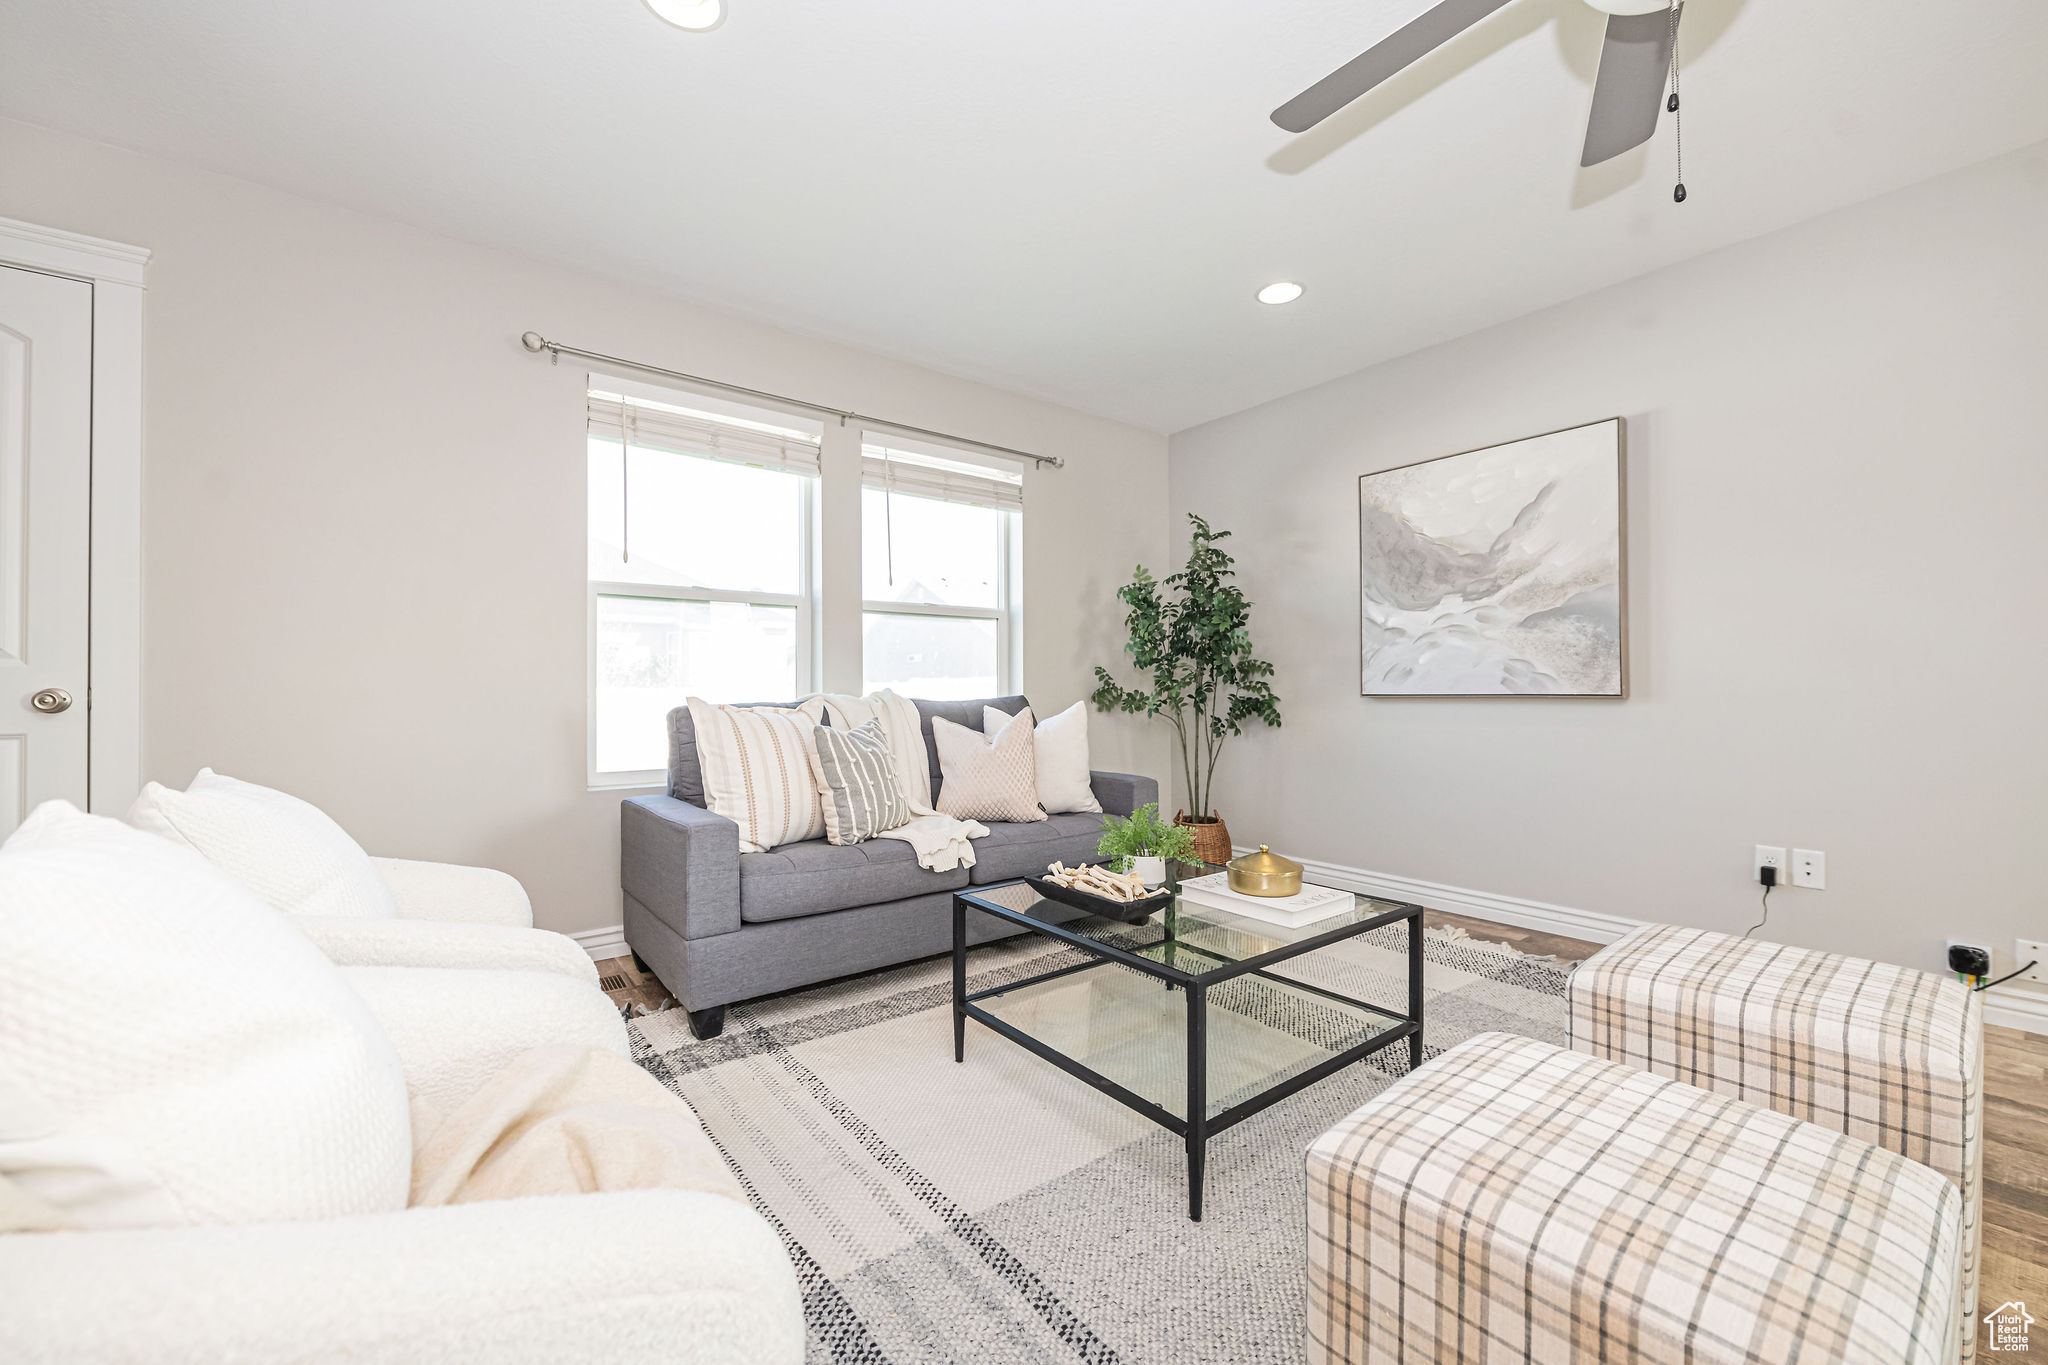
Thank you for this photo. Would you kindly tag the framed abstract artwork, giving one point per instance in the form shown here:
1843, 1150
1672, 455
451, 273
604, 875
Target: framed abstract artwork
1499, 572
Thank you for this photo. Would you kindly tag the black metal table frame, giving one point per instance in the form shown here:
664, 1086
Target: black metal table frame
1198, 1126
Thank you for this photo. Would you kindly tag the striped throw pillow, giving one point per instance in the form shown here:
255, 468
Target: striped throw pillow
757, 770
857, 783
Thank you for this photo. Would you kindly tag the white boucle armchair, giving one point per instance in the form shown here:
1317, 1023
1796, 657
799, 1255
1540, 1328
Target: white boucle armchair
610, 1279
451, 916
654, 1275
361, 911
452, 894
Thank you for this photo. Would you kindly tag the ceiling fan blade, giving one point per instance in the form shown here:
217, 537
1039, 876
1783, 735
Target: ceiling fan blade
1629, 89
1405, 45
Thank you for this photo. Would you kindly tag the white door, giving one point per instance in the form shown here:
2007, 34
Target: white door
45, 542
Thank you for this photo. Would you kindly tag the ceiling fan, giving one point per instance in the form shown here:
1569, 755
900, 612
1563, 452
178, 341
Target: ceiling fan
1626, 92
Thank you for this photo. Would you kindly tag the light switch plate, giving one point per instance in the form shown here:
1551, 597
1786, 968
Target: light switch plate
1810, 869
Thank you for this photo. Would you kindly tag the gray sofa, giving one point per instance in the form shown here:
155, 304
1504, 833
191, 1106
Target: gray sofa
717, 925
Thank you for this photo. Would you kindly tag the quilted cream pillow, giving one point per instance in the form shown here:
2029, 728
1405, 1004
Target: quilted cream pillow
990, 776
217, 1068
285, 850
1060, 754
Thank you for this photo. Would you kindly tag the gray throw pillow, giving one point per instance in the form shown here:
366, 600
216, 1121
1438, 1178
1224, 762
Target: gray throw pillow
857, 776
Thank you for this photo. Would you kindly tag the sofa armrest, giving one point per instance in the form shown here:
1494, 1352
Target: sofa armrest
1122, 793
629, 1278
682, 863
424, 943
454, 1029
455, 894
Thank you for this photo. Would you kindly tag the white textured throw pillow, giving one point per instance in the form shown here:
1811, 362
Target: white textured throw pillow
286, 850
1060, 747
758, 770
990, 776
218, 1069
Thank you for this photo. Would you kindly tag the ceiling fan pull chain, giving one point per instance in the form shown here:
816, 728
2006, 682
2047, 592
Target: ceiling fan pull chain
1677, 114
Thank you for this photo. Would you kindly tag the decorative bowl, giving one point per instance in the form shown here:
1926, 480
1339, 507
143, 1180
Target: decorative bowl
1265, 873
1130, 912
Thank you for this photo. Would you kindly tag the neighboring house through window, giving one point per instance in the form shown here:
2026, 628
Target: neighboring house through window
941, 537
703, 569
699, 565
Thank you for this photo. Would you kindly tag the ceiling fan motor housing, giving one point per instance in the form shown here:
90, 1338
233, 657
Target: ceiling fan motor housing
1629, 6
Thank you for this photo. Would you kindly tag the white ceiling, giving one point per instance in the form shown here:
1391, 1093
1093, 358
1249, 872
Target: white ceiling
1074, 198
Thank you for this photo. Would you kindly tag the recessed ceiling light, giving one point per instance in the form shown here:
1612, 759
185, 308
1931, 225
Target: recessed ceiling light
698, 16
1283, 291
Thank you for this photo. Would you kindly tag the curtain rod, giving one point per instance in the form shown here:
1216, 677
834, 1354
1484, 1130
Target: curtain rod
535, 342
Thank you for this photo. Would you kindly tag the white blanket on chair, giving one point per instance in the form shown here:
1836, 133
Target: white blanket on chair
942, 842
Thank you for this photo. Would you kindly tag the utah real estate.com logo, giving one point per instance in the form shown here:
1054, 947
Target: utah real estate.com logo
2008, 1323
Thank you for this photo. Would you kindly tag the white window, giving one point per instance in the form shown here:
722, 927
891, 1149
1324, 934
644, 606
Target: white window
700, 566
941, 549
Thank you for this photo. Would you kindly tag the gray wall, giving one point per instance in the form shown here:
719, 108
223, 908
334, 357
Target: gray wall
363, 509
1838, 482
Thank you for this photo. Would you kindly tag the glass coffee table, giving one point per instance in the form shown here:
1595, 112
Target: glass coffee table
1197, 1018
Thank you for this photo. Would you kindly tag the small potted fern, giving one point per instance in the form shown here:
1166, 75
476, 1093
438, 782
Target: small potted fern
1144, 844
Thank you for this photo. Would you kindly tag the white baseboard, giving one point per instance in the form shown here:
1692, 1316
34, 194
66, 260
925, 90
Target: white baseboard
1487, 905
2010, 1008
2004, 1006
603, 943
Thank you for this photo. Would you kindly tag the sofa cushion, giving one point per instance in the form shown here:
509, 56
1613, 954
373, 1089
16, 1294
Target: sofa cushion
814, 877
1018, 850
967, 713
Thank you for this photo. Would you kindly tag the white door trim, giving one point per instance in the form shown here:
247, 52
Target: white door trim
114, 696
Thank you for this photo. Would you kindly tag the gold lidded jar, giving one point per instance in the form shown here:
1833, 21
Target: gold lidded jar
1265, 873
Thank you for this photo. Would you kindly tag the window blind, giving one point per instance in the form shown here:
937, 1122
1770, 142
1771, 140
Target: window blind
658, 426
917, 474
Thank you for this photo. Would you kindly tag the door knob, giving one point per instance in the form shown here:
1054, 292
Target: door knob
51, 700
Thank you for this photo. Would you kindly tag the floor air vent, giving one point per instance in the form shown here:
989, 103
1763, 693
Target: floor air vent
614, 982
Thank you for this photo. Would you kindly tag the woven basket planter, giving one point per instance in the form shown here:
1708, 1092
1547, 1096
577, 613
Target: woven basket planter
1212, 837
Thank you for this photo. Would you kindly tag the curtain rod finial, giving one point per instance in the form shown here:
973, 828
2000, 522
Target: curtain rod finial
534, 341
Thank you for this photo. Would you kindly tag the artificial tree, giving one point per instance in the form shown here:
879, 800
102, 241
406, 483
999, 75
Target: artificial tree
1190, 634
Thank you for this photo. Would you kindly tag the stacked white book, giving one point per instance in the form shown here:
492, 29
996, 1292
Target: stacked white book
1306, 906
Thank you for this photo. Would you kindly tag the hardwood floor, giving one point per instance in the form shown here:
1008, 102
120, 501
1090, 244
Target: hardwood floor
1532, 941
2015, 1174
2015, 1250
628, 985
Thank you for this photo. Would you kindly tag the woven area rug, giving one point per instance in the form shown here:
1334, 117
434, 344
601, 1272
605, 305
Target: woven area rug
1002, 1211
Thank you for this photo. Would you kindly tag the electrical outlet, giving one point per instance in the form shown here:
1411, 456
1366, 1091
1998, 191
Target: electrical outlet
2034, 951
1810, 869
1948, 962
1766, 856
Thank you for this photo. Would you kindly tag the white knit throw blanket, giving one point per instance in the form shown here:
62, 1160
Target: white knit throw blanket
940, 841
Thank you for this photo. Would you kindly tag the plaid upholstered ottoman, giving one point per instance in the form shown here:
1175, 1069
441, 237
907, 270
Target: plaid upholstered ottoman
1516, 1201
1883, 1053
